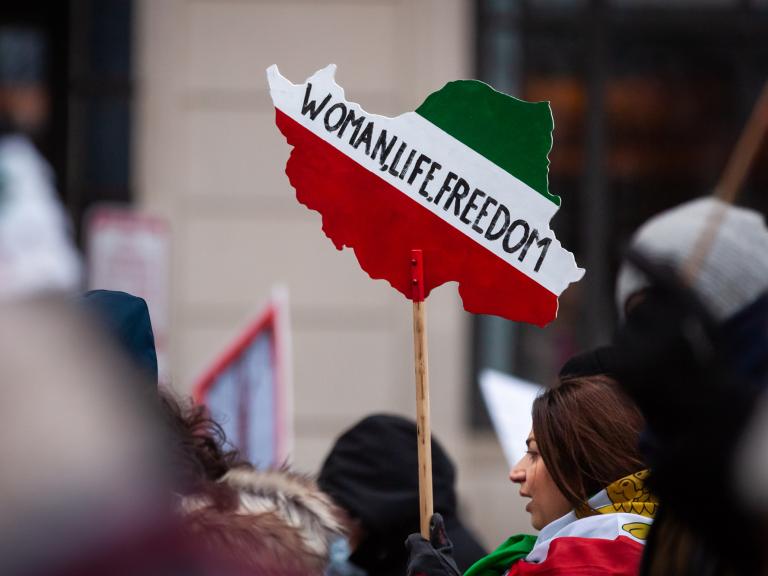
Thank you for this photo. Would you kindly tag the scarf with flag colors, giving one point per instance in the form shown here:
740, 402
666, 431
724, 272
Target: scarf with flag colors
464, 178
606, 537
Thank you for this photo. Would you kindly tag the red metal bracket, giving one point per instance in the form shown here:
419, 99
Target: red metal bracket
417, 276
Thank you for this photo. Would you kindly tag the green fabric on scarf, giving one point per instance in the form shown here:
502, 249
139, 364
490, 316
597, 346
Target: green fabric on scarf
499, 561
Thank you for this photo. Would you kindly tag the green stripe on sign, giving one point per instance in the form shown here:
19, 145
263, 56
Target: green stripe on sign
513, 134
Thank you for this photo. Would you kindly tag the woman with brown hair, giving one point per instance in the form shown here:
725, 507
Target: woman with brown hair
584, 476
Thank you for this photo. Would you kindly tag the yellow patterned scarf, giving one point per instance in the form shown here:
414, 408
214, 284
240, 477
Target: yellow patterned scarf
628, 495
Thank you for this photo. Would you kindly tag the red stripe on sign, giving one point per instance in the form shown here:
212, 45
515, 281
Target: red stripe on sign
382, 225
575, 556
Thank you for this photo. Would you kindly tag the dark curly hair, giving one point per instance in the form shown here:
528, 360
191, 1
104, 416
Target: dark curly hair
199, 446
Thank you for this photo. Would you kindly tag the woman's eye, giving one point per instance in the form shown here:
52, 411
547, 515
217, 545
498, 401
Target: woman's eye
532, 453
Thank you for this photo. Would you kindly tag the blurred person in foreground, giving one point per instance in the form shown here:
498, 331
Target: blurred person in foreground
371, 473
81, 466
261, 521
693, 353
584, 476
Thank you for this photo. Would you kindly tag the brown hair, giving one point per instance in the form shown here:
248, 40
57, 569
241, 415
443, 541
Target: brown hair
587, 432
199, 447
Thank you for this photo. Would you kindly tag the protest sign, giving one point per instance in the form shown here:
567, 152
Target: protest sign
455, 191
129, 251
463, 178
248, 388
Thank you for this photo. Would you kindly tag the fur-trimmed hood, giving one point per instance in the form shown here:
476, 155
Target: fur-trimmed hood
293, 497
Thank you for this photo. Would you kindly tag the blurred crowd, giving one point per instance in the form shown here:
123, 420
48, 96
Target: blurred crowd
647, 456
107, 473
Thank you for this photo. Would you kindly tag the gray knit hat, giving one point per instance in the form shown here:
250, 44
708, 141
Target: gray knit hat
733, 273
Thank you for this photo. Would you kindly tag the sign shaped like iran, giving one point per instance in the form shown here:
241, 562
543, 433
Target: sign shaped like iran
463, 178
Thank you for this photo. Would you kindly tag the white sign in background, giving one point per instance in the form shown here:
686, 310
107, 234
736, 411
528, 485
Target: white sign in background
509, 401
130, 252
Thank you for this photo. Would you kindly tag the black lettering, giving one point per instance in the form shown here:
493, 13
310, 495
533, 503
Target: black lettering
381, 144
457, 196
417, 167
393, 167
312, 107
337, 106
450, 177
471, 205
492, 234
505, 242
428, 178
366, 137
544, 245
531, 239
483, 212
407, 163
356, 122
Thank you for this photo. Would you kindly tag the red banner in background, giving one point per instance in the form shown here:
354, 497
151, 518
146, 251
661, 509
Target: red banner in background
248, 388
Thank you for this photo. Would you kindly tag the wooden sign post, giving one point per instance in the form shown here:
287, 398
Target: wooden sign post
421, 364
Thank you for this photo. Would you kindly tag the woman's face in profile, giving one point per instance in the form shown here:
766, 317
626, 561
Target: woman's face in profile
547, 502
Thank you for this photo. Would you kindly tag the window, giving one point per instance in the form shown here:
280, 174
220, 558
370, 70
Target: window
648, 100
84, 72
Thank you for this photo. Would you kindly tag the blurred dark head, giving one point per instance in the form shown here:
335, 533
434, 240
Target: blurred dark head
197, 443
126, 318
599, 361
692, 353
372, 472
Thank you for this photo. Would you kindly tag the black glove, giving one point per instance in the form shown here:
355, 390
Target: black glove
433, 557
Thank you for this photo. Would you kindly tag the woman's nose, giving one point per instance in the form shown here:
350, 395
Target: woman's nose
517, 475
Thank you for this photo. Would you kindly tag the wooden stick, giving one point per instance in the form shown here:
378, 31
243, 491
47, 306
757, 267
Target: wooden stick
730, 183
421, 361
746, 149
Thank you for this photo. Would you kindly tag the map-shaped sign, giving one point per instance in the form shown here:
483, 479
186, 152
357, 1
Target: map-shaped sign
463, 178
